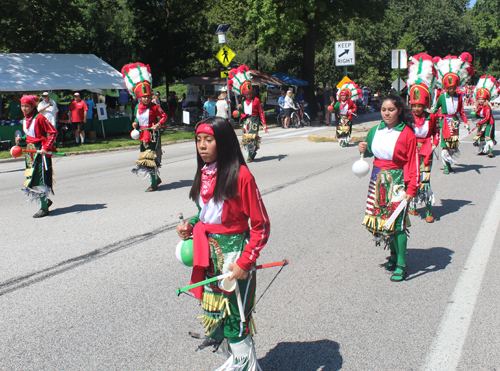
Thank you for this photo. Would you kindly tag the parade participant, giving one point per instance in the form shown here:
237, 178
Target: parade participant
421, 81
453, 72
487, 88
345, 107
138, 80
39, 135
394, 179
228, 199
250, 110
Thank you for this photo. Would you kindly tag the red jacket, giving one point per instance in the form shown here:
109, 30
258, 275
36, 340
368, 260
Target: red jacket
484, 112
256, 110
154, 112
42, 127
233, 218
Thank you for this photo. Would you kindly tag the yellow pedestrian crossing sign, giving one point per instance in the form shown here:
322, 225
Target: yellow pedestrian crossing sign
344, 81
224, 74
225, 55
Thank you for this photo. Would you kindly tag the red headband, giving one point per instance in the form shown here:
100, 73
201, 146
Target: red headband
29, 99
204, 128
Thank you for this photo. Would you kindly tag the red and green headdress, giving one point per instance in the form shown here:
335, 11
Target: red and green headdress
137, 78
454, 71
487, 88
351, 90
240, 80
422, 77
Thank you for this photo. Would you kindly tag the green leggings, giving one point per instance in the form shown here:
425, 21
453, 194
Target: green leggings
398, 246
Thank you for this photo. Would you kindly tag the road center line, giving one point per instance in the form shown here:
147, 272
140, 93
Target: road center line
446, 348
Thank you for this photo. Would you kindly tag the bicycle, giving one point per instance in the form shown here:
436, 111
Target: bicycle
280, 118
299, 117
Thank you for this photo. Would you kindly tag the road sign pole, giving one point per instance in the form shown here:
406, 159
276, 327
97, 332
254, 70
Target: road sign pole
345, 70
399, 65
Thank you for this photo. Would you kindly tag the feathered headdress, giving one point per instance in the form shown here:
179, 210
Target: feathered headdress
454, 71
422, 77
137, 78
351, 89
487, 88
240, 80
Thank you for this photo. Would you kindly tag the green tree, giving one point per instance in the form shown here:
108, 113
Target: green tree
43, 26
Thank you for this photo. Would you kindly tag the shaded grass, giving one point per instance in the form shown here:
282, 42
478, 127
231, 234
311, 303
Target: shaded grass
115, 141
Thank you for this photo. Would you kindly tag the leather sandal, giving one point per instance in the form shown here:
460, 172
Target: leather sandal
398, 277
151, 189
413, 212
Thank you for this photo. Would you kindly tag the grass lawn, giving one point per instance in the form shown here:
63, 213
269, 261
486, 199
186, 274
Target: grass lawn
117, 141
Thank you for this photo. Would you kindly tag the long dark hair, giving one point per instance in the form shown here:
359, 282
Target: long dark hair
229, 160
406, 114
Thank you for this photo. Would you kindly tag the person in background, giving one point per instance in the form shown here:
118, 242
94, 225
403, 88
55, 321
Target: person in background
281, 101
78, 117
289, 107
90, 105
320, 101
209, 106
222, 106
48, 108
172, 105
328, 99
184, 102
13, 111
156, 98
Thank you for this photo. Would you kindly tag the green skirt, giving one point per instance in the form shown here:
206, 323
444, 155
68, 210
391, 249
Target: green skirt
38, 174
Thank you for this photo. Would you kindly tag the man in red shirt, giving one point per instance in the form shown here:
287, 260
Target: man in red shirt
78, 116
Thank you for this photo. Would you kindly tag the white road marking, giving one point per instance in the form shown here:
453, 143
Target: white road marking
446, 348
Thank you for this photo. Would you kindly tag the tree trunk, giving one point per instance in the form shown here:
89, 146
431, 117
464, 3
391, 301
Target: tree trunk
308, 68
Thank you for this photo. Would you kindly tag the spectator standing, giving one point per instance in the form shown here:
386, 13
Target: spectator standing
13, 111
48, 108
172, 105
327, 102
209, 107
281, 101
366, 93
78, 117
320, 101
90, 105
289, 107
156, 98
184, 102
222, 106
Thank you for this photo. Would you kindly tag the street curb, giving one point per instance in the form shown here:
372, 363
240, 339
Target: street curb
313, 138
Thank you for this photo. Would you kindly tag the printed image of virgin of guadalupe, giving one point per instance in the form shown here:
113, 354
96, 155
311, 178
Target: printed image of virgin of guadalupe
383, 188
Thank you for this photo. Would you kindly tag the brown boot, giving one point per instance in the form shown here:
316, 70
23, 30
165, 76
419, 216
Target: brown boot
429, 218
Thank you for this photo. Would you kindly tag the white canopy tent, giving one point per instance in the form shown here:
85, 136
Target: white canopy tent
42, 72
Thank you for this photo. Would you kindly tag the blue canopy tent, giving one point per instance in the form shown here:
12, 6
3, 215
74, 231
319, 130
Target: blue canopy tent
290, 80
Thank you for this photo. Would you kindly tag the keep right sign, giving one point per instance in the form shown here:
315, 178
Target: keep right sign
344, 53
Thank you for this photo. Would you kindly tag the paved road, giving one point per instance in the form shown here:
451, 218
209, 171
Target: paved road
92, 286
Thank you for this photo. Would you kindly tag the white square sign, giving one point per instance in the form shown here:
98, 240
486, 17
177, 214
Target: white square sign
344, 53
403, 59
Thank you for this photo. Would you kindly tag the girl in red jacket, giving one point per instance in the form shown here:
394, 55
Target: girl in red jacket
487, 88
39, 135
394, 179
228, 201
